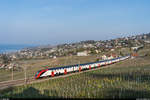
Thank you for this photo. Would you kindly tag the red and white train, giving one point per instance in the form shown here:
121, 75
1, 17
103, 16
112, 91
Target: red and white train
76, 68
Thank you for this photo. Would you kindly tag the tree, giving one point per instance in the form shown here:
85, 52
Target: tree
5, 59
120, 53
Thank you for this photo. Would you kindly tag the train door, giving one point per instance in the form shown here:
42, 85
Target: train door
80, 68
65, 71
89, 67
99, 65
52, 73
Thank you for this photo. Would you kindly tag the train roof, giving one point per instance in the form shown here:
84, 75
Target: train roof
80, 64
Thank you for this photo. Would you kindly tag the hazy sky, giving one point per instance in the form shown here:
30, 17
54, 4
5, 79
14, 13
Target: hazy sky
65, 21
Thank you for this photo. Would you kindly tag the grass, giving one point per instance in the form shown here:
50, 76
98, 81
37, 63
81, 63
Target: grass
127, 79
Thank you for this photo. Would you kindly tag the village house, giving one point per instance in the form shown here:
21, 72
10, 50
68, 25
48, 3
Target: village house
84, 53
105, 57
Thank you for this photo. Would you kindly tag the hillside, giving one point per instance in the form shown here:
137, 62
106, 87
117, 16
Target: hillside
127, 79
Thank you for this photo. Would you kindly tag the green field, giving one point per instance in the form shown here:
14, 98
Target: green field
126, 79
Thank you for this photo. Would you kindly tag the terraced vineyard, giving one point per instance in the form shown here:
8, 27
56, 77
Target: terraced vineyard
127, 79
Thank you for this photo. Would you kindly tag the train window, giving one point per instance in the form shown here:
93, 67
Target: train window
37, 73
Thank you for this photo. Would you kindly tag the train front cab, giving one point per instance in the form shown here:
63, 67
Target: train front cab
39, 74
36, 75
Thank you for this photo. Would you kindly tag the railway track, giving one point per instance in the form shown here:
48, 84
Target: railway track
7, 84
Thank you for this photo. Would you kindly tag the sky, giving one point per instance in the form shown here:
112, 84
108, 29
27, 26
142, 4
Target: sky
66, 21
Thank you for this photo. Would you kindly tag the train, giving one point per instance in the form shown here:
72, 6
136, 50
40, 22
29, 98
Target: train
51, 72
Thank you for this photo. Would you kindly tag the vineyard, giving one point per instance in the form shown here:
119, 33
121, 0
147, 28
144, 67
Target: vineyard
127, 79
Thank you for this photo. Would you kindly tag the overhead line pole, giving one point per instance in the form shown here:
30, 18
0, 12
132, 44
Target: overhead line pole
12, 77
25, 74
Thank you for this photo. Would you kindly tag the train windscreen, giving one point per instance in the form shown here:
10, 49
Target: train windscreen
37, 73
